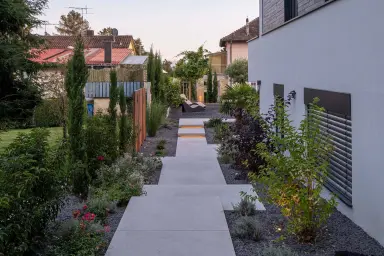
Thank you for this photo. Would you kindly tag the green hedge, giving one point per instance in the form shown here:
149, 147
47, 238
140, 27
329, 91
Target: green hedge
47, 114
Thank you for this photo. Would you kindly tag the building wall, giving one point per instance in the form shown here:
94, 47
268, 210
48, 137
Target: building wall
218, 62
332, 49
273, 11
239, 51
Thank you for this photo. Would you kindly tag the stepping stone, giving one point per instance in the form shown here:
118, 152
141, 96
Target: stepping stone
187, 226
192, 122
191, 171
229, 194
191, 132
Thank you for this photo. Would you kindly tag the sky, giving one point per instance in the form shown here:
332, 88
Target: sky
172, 26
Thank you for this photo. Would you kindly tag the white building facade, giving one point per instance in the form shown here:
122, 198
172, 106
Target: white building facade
334, 50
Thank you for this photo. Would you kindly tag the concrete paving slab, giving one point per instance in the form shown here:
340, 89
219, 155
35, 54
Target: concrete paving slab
197, 177
191, 131
174, 213
171, 243
229, 194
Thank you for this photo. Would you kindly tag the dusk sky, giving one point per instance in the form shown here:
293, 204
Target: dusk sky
171, 26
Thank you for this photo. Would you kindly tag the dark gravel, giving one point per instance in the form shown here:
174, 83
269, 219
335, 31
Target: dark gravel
339, 233
113, 221
230, 175
154, 178
211, 111
167, 132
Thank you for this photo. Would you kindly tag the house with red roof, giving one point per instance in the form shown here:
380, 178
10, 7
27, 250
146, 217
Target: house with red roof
100, 51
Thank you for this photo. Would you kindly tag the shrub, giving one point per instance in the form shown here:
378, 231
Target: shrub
30, 192
155, 117
125, 130
277, 251
238, 98
161, 145
248, 228
238, 71
48, 114
172, 93
112, 111
213, 122
295, 170
246, 207
101, 206
221, 130
97, 143
215, 90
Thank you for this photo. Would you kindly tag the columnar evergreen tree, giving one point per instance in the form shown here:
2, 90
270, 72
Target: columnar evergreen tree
158, 76
215, 90
124, 131
113, 100
76, 78
209, 86
151, 68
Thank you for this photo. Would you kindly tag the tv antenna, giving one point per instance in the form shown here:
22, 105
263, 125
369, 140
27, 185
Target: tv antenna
84, 10
46, 23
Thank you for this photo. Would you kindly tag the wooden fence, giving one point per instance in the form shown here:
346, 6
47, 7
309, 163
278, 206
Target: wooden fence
139, 117
123, 74
101, 89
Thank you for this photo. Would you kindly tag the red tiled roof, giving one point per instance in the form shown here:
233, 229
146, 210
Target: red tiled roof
93, 56
240, 35
118, 55
63, 42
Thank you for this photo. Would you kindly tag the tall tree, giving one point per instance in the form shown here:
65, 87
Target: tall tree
167, 66
157, 92
18, 94
215, 90
124, 129
113, 100
192, 66
151, 69
139, 47
72, 24
238, 71
75, 80
106, 31
209, 86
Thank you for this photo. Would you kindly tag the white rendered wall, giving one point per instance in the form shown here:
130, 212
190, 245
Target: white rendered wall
339, 47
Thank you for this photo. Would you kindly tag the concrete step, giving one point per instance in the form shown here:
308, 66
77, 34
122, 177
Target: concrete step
229, 194
191, 132
174, 226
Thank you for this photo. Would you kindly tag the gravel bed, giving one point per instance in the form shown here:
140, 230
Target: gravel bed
113, 221
169, 133
231, 175
211, 111
339, 233
154, 178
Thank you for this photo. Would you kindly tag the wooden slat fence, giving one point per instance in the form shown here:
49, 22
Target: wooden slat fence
101, 89
123, 74
139, 117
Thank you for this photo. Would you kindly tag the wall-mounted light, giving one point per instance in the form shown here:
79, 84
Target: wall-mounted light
293, 94
258, 85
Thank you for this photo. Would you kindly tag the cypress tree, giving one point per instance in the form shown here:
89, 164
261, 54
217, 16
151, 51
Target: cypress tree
113, 100
151, 68
158, 68
209, 86
124, 132
215, 88
76, 78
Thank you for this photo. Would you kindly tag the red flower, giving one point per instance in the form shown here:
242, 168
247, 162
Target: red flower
82, 226
100, 158
76, 214
85, 207
107, 228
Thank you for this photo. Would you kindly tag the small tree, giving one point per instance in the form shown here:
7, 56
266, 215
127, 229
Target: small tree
75, 80
72, 24
124, 132
113, 100
209, 86
151, 69
106, 31
295, 170
238, 71
158, 75
215, 88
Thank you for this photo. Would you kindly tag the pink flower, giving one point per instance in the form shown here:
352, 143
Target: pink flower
100, 158
76, 214
85, 207
107, 229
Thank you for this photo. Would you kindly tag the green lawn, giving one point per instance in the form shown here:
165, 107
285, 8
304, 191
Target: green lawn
6, 138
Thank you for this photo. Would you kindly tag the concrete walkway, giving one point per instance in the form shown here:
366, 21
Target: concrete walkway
184, 214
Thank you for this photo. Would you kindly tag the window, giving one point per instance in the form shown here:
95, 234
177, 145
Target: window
336, 124
290, 9
278, 92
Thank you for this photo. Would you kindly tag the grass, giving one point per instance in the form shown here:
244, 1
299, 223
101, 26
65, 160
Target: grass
7, 137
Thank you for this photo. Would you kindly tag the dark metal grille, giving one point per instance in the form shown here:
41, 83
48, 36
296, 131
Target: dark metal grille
339, 131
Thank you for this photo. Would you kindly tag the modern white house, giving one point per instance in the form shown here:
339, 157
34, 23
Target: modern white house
334, 50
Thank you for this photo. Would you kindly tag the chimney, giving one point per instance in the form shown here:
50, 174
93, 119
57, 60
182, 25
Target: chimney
247, 26
90, 32
108, 52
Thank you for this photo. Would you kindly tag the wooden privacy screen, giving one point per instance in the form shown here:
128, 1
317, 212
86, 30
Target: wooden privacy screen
139, 120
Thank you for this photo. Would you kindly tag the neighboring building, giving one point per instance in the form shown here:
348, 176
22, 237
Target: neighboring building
100, 51
331, 49
236, 43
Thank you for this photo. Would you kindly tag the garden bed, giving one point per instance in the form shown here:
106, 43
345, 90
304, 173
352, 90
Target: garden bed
169, 133
339, 234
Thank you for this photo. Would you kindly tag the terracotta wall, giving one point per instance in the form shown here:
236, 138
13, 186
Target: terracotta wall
239, 51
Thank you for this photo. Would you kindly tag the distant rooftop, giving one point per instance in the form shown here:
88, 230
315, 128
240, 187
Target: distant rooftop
134, 60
